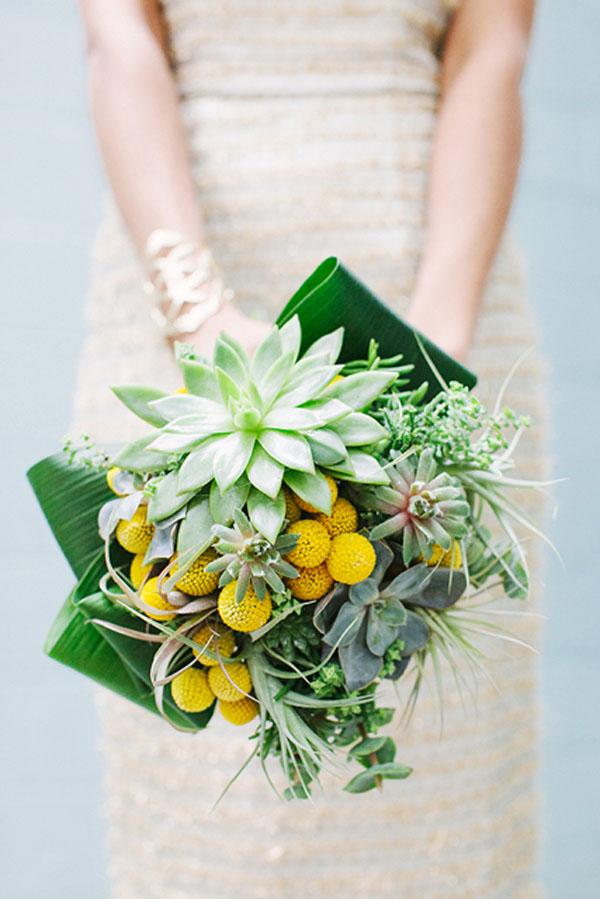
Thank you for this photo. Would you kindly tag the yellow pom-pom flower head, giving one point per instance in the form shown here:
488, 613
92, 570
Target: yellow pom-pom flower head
351, 559
451, 558
313, 543
138, 571
311, 583
216, 638
230, 682
191, 692
292, 509
120, 482
240, 712
135, 535
247, 557
343, 518
247, 615
162, 608
198, 580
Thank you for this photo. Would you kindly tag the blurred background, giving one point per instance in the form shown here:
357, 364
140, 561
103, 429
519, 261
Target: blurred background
51, 189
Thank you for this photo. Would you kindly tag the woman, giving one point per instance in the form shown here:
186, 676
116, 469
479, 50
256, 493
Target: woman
265, 136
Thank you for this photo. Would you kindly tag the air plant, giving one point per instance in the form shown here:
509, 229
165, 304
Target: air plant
248, 557
425, 506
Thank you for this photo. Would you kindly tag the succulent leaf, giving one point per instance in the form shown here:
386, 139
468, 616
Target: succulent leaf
137, 399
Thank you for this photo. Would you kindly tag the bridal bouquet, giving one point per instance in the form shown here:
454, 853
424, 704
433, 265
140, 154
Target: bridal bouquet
292, 530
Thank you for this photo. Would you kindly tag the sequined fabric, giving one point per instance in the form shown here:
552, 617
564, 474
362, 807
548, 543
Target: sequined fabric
310, 126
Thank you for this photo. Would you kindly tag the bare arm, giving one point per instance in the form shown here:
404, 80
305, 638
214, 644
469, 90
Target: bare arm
141, 138
474, 166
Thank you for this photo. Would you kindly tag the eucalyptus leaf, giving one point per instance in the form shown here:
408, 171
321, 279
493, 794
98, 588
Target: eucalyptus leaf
366, 780
366, 747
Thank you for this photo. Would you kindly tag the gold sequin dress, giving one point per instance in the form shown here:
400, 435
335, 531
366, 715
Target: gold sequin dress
310, 126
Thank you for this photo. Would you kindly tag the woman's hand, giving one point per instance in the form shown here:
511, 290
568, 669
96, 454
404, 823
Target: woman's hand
247, 331
450, 332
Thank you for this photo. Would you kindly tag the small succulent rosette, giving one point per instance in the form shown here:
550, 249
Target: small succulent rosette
290, 532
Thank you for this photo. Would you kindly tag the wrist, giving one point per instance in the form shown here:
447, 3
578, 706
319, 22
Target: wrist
185, 282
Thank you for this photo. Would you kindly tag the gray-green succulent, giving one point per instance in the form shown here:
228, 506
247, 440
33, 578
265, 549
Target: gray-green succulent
364, 620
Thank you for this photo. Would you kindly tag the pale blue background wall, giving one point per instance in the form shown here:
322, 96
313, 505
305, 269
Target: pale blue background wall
52, 834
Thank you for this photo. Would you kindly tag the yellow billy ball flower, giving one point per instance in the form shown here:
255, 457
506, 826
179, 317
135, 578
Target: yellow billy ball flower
352, 558
197, 581
213, 636
191, 692
248, 615
240, 712
313, 544
343, 518
307, 506
135, 535
220, 681
451, 558
181, 390
153, 598
138, 571
292, 509
110, 479
311, 583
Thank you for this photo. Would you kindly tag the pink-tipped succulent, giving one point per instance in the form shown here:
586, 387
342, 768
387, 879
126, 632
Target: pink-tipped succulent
425, 507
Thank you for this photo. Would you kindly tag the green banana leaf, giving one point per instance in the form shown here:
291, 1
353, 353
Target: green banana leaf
114, 660
332, 296
71, 494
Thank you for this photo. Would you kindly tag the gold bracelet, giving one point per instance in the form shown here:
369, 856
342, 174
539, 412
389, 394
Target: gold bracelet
182, 275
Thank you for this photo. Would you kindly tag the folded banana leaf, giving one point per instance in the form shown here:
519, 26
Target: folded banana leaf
71, 494
332, 297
